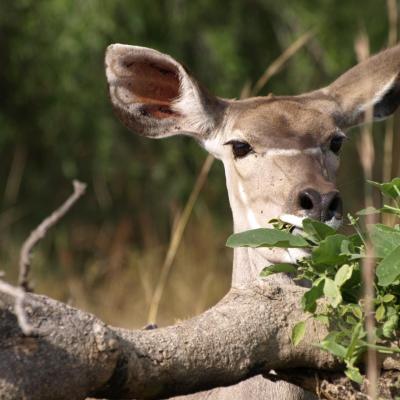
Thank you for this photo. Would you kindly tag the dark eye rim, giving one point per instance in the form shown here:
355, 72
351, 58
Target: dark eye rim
336, 142
240, 148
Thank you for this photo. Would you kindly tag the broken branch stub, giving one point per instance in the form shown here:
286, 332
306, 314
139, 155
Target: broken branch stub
40, 232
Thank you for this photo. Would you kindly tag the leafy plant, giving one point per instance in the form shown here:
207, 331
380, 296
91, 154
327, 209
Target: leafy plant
333, 270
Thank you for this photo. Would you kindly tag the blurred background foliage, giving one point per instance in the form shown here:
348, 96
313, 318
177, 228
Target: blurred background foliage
56, 124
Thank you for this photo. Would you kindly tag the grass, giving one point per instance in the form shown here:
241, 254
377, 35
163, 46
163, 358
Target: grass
115, 278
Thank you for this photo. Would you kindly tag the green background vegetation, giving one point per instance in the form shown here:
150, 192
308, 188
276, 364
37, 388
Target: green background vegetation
56, 124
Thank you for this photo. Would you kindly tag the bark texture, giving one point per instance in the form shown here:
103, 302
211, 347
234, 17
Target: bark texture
74, 355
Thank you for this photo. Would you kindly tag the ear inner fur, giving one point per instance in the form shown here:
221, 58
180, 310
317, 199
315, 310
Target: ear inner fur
390, 101
155, 96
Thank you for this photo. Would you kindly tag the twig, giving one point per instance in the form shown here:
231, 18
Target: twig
39, 233
366, 152
176, 239
392, 17
17, 168
19, 294
24, 263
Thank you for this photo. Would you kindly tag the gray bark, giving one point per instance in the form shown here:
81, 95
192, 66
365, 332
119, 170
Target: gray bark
75, 355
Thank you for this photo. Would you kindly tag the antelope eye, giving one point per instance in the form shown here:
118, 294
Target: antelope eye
336, 144
239, 149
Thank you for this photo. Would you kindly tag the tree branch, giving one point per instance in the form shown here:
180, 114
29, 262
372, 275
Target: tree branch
246, 333
77, 355
19, 295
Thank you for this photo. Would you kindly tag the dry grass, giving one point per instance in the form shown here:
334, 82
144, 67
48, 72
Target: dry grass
176, 239
116, 280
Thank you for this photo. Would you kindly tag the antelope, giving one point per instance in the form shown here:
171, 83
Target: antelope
280, 153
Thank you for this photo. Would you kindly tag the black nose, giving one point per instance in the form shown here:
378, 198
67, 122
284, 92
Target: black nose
319, 206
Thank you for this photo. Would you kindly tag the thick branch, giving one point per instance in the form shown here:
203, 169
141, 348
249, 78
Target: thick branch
246, 333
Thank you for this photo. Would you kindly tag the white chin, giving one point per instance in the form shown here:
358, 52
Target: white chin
297, 254
334, 223
292, 220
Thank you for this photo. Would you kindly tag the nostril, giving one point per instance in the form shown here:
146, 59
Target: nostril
305, 201
334, 204
335, 207
322, 207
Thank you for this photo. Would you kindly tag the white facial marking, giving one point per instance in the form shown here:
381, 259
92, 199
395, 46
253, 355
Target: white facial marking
250, 216
334, 223
213, 146
251, 219
276, 152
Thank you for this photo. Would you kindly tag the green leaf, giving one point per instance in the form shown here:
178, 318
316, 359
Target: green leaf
351, 351
276, 268
385, 209
356, 240
330, 344
383, 349
309, 299
353, 373
390, 210
387, 298
388, 269
332, 292
322, 318
380, 313
317, 230
390, 325
356, 310
298, 332
390, 189
329, 251
351, 320
343, 274
349, 249
264, 237
384, 239
391, 311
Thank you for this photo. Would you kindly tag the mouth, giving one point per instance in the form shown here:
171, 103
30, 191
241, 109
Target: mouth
297, 222
294, 220
293, 255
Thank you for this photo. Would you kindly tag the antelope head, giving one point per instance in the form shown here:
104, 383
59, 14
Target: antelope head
280, 154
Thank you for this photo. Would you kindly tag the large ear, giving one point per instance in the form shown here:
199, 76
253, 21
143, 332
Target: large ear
155, 96
374, 83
